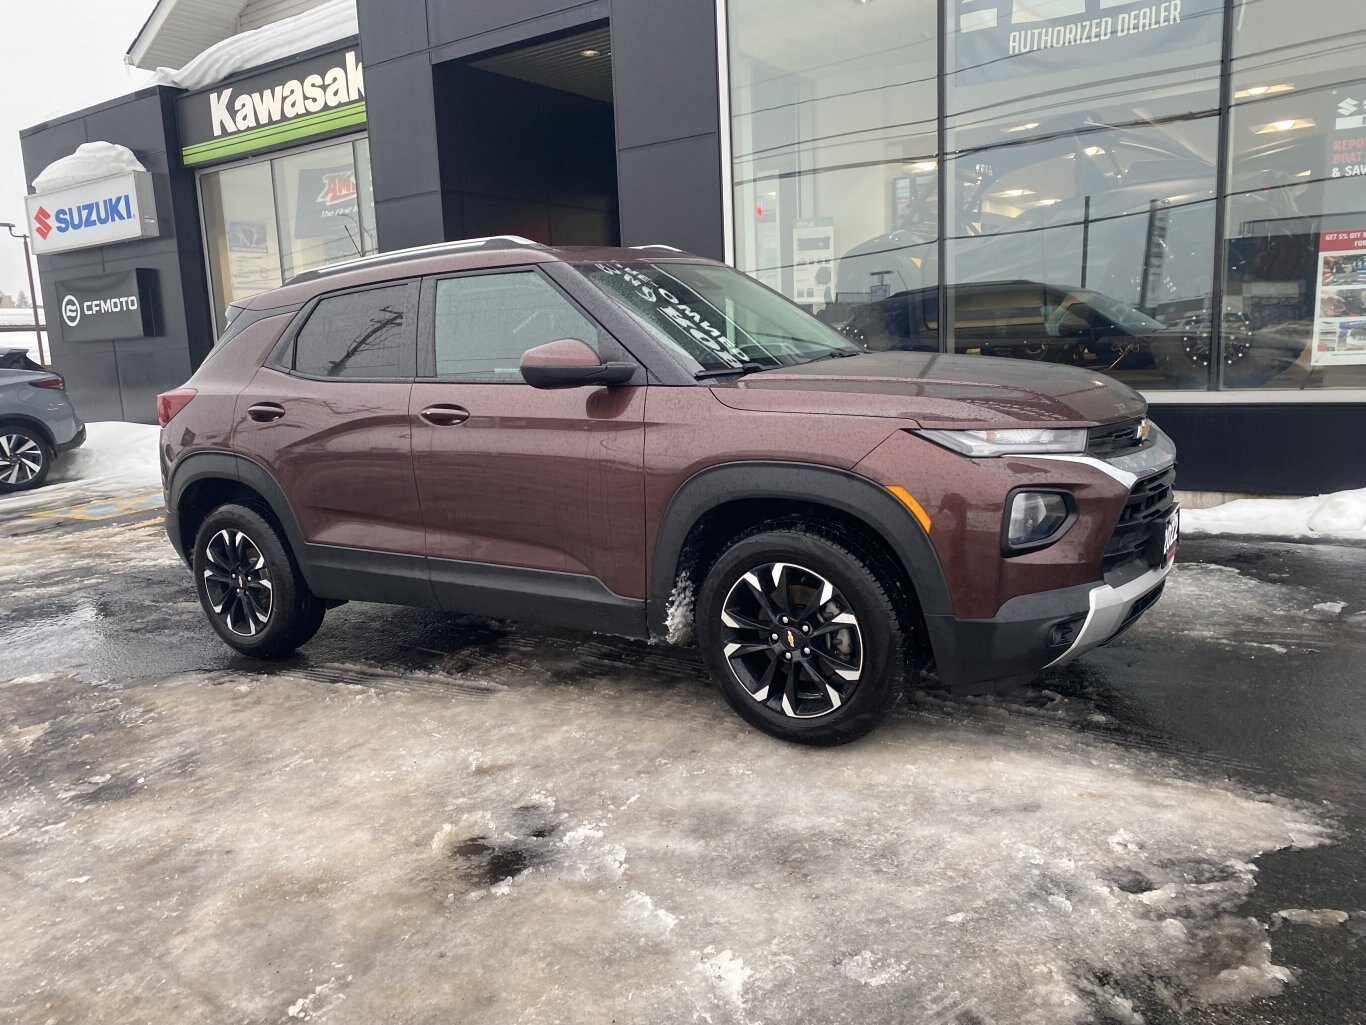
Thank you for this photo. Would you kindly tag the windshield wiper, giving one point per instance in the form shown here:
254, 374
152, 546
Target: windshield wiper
836, 354
743, 368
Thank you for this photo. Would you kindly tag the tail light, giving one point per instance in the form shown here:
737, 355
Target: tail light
169, 403
55, 381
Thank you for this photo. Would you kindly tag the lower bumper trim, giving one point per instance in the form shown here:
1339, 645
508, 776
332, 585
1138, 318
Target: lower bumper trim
1114, 609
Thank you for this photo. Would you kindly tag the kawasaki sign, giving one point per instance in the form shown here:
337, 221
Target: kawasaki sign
114, 209
310, 97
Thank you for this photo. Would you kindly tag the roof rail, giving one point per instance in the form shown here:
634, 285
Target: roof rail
399, 255
660, 245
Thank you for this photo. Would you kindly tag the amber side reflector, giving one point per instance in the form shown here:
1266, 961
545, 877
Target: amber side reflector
908, 500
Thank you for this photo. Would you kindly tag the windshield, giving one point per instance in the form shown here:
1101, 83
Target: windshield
717, 316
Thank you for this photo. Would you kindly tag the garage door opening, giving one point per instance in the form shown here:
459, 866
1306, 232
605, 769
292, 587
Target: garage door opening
527, 141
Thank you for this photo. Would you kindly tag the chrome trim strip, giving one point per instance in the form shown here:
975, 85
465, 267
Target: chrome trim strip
1108, 606
1133, 467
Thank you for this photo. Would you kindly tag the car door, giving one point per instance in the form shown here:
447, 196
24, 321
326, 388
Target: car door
327, 416
526, 489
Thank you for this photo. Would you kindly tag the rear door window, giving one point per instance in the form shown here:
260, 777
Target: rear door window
483, 323
366, 334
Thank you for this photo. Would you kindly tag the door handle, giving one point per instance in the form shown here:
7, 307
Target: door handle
445, 415
265, 412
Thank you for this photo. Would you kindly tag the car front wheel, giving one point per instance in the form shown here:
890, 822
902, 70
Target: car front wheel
804, 633
249, 586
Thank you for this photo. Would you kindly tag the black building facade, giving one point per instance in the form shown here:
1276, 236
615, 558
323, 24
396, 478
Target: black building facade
1076, 181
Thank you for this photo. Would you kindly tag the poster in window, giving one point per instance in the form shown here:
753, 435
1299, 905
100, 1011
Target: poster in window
813, 261
1001, 39
1340, 302
328, 203
1347, 140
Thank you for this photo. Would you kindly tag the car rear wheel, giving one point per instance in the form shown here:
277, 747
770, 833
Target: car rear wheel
800, 629
249, 586
25, 458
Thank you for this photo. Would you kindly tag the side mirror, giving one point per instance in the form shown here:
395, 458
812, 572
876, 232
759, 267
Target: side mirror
571, 363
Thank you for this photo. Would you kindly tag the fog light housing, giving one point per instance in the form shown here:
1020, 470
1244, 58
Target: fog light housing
1035, 519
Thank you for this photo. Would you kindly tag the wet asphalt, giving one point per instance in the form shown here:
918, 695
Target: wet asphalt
1271, 694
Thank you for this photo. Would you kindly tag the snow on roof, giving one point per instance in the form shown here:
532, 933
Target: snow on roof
90, 162
326, 23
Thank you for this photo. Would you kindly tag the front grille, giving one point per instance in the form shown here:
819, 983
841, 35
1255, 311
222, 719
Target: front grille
1110, 440
1136, 544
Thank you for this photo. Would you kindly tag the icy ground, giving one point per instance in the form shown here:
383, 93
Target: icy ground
431, 821
1339, 515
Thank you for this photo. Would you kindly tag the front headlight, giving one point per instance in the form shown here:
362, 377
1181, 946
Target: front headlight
1010, 441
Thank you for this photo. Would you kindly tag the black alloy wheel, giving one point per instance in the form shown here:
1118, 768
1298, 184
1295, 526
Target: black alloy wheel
807, 630
792, 640
237, 581
24, 459
249, 584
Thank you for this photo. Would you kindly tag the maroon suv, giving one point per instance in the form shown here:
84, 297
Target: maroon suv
641, 442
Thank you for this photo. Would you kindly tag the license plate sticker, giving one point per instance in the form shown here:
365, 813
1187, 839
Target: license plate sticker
1172, 535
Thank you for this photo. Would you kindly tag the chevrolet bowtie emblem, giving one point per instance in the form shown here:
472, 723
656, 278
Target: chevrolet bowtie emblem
791, 639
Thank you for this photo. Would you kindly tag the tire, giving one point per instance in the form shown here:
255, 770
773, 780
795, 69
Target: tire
25, 458
773, 672
249, 584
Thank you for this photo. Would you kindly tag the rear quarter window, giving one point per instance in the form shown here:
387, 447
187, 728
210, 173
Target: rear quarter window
366, 334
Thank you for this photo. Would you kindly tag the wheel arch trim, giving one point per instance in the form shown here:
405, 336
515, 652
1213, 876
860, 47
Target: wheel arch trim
231, 466
32, 423
851, 494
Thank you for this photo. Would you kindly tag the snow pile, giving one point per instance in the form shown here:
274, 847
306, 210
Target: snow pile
1341, 515
335, 19
117, 459
91, 162
116, 456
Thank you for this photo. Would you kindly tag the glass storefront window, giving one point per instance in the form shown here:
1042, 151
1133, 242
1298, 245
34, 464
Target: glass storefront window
834, 155
239, 228
1081, 180
1296, 219
319, 206
270, 219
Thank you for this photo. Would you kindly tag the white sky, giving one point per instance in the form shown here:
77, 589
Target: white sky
58, 56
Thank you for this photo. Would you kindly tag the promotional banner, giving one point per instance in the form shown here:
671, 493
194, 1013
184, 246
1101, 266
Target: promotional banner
1000, 39
1340, 305
328, 204
109, 306
1347, 140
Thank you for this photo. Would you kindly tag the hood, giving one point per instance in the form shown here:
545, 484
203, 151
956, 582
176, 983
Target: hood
935, 390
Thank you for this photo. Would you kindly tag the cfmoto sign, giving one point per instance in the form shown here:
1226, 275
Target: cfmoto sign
109, 307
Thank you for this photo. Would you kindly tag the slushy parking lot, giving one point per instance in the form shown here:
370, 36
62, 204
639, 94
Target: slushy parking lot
425, 819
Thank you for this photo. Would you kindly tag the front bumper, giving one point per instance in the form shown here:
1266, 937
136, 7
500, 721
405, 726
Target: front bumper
1037, 631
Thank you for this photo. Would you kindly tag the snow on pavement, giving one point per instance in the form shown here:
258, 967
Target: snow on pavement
569, 829
1339, 515
117, 458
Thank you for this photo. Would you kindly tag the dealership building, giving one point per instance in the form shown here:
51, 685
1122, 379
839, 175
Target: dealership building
1170, 192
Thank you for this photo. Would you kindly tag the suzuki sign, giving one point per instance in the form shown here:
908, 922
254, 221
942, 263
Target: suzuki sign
96, 213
